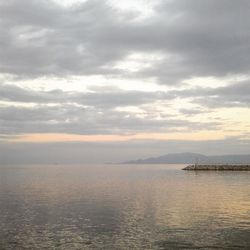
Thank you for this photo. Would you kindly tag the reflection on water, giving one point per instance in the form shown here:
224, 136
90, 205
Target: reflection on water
123, 207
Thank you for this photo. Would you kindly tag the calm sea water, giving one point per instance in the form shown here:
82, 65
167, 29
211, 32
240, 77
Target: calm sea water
123, 207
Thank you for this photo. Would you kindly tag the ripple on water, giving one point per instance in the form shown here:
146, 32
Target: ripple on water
120, 207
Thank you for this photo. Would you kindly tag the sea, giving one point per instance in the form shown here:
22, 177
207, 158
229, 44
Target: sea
123, 207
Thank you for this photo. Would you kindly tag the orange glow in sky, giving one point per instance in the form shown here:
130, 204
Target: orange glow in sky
51, 137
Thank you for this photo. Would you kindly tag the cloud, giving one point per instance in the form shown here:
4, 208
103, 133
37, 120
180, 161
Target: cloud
103, 97
233, 95
101, 110
192, 111
179, 41
91, 120
13, 93
42, 38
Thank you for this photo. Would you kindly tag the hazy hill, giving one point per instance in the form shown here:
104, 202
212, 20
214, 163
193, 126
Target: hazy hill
190, 158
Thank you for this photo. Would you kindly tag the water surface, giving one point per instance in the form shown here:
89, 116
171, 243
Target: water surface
123, 207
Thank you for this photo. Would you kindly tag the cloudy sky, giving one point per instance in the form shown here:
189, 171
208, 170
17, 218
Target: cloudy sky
105, 80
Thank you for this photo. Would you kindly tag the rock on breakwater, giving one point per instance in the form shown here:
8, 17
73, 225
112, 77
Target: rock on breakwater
219, 167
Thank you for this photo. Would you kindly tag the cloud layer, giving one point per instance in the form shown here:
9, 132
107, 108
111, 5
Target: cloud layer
183, 68
194, 39
89, 112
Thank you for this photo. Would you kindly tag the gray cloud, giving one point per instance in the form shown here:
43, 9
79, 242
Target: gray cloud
233, 95
96, 112
17, 94
105, 97
43, 38
192, 111
91, 120
195, 39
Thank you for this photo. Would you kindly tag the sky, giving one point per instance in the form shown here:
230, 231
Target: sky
112, 80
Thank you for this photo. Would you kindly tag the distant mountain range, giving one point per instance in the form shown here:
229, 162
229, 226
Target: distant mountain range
191, 158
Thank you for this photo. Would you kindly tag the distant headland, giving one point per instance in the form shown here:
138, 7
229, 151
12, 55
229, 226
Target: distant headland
194, 158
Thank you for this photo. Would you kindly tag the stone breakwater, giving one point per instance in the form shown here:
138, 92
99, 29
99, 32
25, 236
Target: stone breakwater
219, 167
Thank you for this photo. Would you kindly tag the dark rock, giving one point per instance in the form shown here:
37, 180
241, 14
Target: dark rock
218, 167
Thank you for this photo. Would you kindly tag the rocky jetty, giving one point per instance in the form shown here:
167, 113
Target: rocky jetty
218, 167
